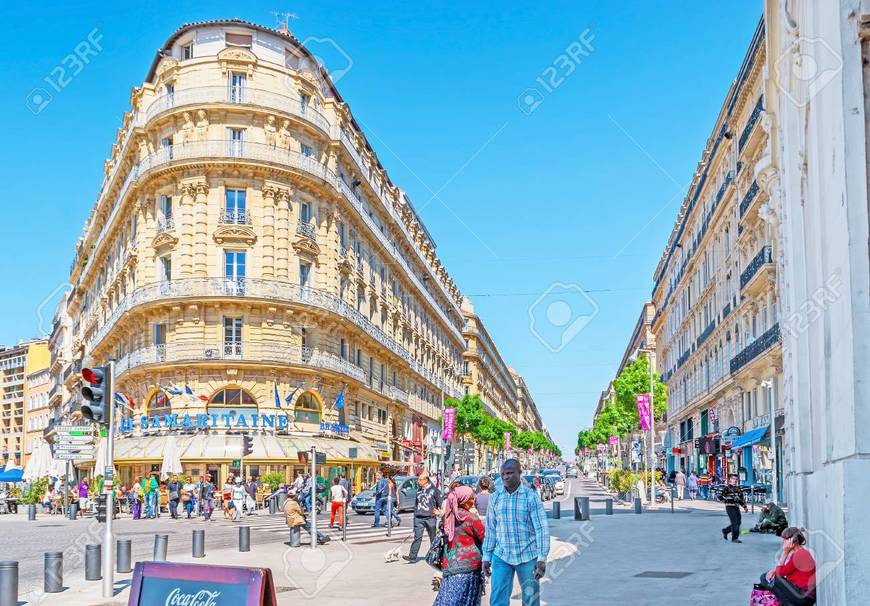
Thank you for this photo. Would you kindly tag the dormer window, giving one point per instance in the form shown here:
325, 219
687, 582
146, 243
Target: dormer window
244, 40
187, 51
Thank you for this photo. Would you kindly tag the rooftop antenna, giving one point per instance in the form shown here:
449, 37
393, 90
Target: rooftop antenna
282, 21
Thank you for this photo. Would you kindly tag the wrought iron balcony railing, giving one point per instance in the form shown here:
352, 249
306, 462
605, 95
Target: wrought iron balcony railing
750, 124
751, 194
761, 259
235, 217
767, 340
307, 229
165, 224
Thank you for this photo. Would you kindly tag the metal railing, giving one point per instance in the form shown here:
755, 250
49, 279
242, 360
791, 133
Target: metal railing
307, 229
235, 217
762, 258
751, 194
203, 351
750, 124
165, 224
705, 334
270, 290
771, 337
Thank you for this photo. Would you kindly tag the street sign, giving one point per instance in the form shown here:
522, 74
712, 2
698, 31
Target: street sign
75, 432
61, 449
73, 456
110, 474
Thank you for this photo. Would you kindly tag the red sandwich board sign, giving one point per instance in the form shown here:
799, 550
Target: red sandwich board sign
169, 584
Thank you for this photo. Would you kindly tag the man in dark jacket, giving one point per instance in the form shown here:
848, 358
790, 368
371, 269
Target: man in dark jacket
772, 520
732, 496
426, 511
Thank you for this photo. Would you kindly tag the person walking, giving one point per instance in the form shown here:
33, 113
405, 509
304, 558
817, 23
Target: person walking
692, 486
337, 499
83, 491
704, 484
382, 490
462, 583
394, 503
454, 475
174, 489
427, 508
238, 498
680, 482
207, 490
793, 580
251, 496
187, 498
517, 539
481, 501
136, 498
732, 496
150, 490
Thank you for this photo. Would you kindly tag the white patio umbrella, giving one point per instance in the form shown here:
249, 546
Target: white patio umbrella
44, 468
102, 458
29, 474
171, 460
58, 467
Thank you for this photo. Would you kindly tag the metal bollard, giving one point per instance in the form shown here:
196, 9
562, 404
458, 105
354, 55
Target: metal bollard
31, 512
123, 551
244, 538
93, 562
295, 536
673, 496
608, 507
557, 510
282, 498
161, 543
53, 574
577, 515
638, 508
584, 508
73, 511
199, 543
273, 505
8, 583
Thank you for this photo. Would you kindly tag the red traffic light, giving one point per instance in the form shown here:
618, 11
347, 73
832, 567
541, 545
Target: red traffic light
92, 375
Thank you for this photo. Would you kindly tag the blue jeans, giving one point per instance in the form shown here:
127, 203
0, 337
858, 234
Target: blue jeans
151, 504
380, 507
503, 582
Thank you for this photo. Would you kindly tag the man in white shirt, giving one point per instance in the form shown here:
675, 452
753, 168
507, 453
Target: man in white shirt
337, 498
238, 497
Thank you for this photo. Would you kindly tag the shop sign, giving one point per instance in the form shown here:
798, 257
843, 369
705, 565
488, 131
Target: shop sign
449, 424
613, 440
334, 428
173, 584
208, 421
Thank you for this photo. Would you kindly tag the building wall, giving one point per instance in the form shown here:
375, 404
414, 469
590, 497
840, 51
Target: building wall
12, 378
817, 177
38, 385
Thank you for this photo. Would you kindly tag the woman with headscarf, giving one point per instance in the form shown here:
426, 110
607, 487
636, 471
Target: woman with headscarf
463, 581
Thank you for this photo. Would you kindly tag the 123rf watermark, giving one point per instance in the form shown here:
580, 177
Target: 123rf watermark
557, 72
62, 74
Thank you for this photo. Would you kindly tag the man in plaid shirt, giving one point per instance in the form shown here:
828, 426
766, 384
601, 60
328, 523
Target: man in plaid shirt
517, 539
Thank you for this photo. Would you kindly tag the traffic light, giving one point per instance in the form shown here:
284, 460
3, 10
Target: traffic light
247, 445
97, 405
101, 508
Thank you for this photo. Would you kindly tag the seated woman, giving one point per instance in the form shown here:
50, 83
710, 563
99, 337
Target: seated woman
793, 581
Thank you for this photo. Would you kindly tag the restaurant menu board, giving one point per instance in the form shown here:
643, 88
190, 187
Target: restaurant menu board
168, 584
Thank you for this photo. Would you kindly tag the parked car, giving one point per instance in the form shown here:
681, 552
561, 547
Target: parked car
364, 502
470, 480
548, 484
571, 473
560, 486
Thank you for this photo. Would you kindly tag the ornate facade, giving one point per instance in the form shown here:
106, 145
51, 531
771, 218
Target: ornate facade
248, 250
716, 326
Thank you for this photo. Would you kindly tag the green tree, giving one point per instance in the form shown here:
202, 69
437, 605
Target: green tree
634, 379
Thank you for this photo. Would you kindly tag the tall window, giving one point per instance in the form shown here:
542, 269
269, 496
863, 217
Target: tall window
307, 409
304, 101
166, 144
235, 142
304, 275
158, 404
187, 51
235, 210
234, 271
342, 238
343, 349
307, 151
165, 219
165, 268
237, 84
232, 337
305, 212
159, 334
170, 95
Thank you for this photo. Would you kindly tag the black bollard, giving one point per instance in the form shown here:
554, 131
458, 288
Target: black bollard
161, 542
584, 508
637, 505
673, 496
8, 583
93, 562
608, 507
73, 511
577, 515
295, 536
244, 538
557, 510
53, 575
273, 505
123, 550
199, 543
31, 512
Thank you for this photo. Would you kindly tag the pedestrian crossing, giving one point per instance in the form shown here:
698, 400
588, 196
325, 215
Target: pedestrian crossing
359, 528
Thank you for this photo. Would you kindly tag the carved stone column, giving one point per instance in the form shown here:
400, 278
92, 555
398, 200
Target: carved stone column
201, 230
282, 230
186, 229
270, 192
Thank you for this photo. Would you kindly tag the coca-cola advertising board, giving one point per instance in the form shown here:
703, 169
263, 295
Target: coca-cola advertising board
169, 584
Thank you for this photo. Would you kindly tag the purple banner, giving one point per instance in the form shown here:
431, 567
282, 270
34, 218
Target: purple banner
613, 440
449, 424
644, 412
507, 441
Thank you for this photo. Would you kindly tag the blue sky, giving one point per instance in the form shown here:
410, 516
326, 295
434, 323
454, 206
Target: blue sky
581, 191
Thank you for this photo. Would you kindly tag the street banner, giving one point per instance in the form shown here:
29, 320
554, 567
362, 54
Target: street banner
449, 424
507, 441
643, 411
613, 440
601, 447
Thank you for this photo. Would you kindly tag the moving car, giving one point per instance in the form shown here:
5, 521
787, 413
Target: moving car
560, 486
364, 502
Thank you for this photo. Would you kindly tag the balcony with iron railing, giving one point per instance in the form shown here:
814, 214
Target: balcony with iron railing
726, 310
235, 217
750, 124
766, 341
267, 290
165, 224
307, 230
705, 334
763, 258
749, 198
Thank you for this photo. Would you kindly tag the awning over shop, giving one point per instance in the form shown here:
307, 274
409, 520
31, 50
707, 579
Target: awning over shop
216, 447
13, 475
750, 437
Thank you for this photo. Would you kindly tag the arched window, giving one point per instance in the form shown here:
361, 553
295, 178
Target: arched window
232, 397
307, 408
158, 404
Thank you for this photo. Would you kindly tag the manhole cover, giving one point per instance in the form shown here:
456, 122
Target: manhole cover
662, 574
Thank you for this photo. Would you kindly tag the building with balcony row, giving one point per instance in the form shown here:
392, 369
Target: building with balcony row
249, 262
23, 398
716, 324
